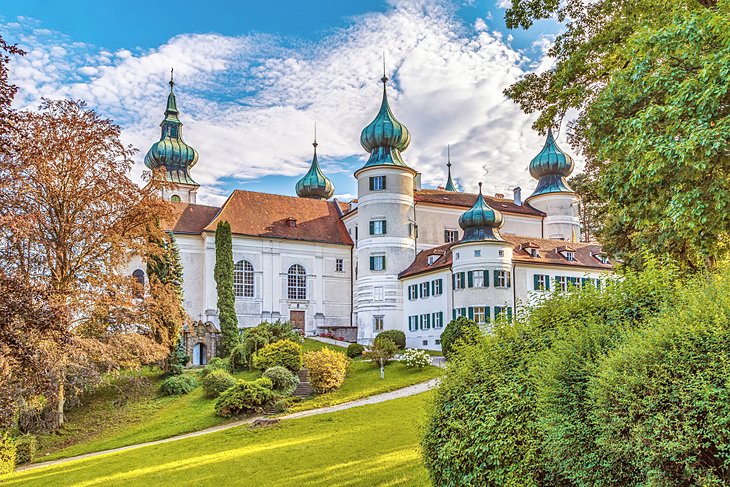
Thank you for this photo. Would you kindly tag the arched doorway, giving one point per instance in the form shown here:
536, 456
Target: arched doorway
200, 354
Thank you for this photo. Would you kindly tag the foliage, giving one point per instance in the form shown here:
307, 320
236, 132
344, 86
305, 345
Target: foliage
282, 330
418, 359
355, 350
381, 352
216, 363
327, 369
216, 382
463, 330
591, 207
25, 449
396, 336
245, 396
178, 384
285, 403
264, 333
283, 380
239, 357
178, 358
533, 376
7, 453
649, 81
223, 275
284, 353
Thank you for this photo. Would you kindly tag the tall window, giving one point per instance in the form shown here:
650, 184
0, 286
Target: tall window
425, 289
377, 227
297, 282
378, 323
502, 279
138, 276
480, 315
377, 183
437, 287
451, 235
542, 282
340, 265
377, 262
243, 279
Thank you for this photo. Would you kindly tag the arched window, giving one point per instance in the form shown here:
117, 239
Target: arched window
175, 198
297, 282
138, 276
243, 279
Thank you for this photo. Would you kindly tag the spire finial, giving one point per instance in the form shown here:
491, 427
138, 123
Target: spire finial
172, 81
315, 137
480, 188
384, 79
448, 156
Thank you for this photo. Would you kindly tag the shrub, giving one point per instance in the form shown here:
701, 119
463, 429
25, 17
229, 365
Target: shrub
7, 453
461, 329
283, 380
416, 358
284, 353
216, 363
381, 352
25, 449
396, 336
178, 384
216, 382
327, 369
239, 358
355, 350
282, 405
245, 396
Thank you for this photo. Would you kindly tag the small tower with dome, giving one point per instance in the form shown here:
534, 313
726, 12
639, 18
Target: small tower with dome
315, 184
173, 155
553, 195
449, 182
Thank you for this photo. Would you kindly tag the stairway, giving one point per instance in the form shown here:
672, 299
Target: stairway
303, 389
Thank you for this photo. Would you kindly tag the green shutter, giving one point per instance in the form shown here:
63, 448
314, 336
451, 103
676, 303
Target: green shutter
547, 282
383, 263
470, 278
433, 288
441, 319
463, 279
487, 314
372, 263
509, 279
453, 281
383, 182
428, 321
485, 279
536, 279
584, 281
496, 278
385, 227
509, 313
372, 228
453, 314
372, 186
471, 313
463, 311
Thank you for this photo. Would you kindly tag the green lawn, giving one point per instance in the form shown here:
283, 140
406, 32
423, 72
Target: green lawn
371, 445
312, 345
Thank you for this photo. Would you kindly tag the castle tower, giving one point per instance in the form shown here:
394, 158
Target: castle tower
174, 155
449, 182
386, 244
315, 184
553, 196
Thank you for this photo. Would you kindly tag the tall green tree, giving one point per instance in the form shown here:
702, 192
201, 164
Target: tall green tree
650, 82
223, 274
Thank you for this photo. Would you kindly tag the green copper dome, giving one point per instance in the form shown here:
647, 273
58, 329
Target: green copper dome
385, 137
449, 183
550, 167
481, 222
315, 184
170, 151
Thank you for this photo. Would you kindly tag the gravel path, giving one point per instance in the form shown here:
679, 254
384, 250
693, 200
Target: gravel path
386, 396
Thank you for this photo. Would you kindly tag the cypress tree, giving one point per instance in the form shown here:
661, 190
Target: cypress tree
165, 275
223, 275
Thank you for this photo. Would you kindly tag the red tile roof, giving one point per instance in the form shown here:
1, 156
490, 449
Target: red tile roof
265, 215
190, 218
584, 255
466, 200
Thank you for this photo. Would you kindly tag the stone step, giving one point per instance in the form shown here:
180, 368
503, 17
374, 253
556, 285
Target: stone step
303, 390
303, 375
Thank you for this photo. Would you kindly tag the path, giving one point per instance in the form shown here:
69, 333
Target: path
436, 360
386, 396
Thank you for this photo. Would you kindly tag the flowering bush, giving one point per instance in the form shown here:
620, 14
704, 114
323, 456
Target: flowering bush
327, 369
416, 358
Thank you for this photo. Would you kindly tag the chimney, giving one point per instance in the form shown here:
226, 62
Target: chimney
518, 196
417, 181
499, 195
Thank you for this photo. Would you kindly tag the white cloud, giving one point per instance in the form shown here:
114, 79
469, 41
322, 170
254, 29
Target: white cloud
248, 103
480, 25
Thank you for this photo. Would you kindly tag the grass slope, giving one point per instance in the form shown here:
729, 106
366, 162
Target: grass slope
370, 445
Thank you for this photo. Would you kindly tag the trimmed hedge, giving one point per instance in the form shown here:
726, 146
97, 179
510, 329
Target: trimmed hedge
244, 397
283, 380
284, 353
355, 350
396, 336
178, 384
217, 382
327, 369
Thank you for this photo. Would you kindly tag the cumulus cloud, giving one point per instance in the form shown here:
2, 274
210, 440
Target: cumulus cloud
249, 102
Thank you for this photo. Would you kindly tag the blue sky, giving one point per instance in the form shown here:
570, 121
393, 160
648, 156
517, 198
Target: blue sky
253, 77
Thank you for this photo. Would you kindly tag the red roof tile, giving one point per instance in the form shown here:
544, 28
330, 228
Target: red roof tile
466, 200
190, 218
265, 215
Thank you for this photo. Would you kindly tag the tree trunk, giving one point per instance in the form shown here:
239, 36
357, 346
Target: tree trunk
382, 370
60, 402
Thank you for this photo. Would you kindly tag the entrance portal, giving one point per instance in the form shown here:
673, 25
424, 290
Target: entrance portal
296, 318
200, 354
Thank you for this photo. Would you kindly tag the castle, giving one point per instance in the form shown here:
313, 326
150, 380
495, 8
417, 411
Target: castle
398, 257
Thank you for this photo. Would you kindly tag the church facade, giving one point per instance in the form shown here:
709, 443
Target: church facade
400, 256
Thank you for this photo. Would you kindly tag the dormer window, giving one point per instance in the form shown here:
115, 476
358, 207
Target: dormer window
534, 252
432, 258
291, 222
602, 258
531, 248
569, 255
567, 252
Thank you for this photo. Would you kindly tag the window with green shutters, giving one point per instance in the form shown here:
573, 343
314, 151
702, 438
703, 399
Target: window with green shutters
377, 183
425, 289
502, 278
479, 314
413, 292
438, 286
542, 282
503, 312
459, 280
413, 323
377, 262
378, 227
437, 319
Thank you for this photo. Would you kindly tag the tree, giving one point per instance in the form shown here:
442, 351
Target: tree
223, 275
591, 208
459, 331
381, 352
649, 81
71, 216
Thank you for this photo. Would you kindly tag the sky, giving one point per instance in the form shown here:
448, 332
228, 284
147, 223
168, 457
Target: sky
252, 78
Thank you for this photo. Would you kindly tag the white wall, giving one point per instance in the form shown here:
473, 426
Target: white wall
426, 305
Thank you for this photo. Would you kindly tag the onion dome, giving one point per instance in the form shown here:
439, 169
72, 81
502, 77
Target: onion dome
315, 184
385, 137
171, 152
481, 222
449, 183
550, 167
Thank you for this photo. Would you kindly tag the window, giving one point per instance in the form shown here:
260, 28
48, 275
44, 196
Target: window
425, 289
437, 319
457, 312
138, 276
502, 312
456, 256
432, 258
243, 279
502, 279
459, 280
378, 293
425, 343
477, 253
377, 262
340, 265
562, 282
377, 183
534, 252
437, 287
413, 230
479, 314
437, 342
479, 278
570, 256
413, 292
412, 323
297, 282
501, 253
541, 282
377, 227
378, 323
425, 322
175, 198
451, 236
602, 258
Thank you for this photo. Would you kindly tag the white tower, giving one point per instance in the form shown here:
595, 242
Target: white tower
386, 244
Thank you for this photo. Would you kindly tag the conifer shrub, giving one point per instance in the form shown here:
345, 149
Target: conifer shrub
282, 379
396, 336
216, 363
327, 369
178, 384
26, 447
284, 353
355, 350
216, 382
245, 396
7, 453
239, 358
460, 330
417, 359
